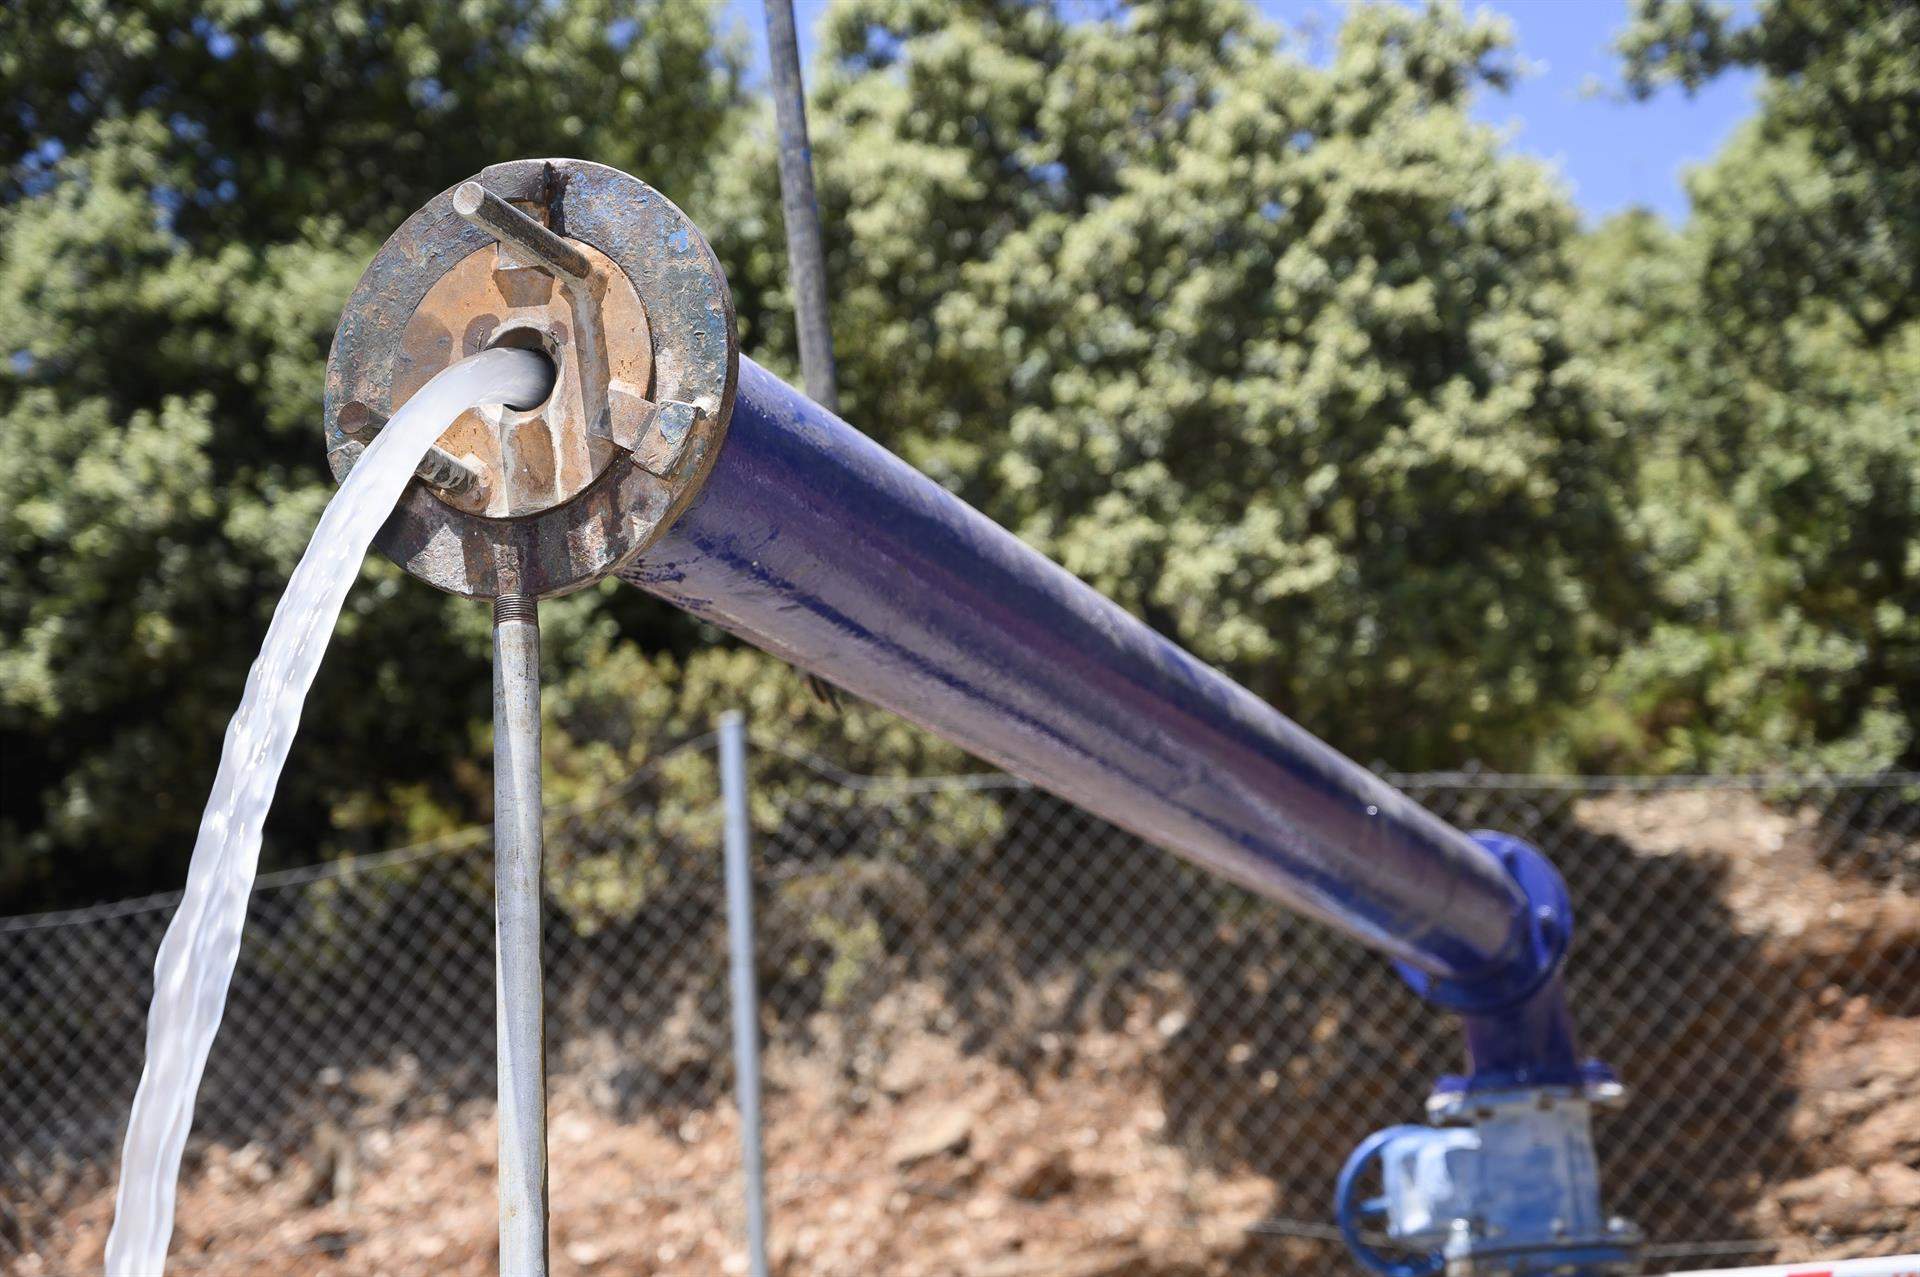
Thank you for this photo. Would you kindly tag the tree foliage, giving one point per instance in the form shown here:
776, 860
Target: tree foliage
1274, 353
1285, 353
1775, 337
191, 191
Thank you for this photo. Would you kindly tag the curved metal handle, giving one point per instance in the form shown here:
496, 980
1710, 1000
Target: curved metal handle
1347, 1212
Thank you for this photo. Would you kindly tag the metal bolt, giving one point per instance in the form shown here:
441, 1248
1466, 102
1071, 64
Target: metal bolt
456, 476
510, 226
519, 233
358, 420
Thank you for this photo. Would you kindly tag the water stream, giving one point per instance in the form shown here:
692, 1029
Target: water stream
197, 956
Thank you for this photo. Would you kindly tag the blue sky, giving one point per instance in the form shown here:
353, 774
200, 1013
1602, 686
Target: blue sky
1614, 154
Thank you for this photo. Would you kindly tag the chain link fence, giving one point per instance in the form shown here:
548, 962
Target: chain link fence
1002, 1038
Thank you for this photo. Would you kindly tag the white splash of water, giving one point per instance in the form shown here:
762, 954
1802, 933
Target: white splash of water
197, 957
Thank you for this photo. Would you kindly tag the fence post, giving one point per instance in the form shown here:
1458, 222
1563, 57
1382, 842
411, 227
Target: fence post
746, 991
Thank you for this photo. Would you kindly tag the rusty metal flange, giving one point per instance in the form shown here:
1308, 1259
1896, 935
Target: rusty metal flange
597, 503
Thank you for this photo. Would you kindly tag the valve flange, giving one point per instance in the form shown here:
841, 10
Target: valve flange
612, 282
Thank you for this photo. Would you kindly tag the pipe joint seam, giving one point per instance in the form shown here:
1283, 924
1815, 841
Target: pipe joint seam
1542, 934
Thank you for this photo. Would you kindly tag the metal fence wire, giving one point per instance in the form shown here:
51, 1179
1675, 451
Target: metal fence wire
1002, 1037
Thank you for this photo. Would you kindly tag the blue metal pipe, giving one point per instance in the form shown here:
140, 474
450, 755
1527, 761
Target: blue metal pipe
776, 520
813, 542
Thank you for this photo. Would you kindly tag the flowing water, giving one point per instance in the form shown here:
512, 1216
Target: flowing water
196, 959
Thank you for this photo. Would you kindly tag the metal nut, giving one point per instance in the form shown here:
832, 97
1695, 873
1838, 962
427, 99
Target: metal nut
655, 433
630, 416
457, 476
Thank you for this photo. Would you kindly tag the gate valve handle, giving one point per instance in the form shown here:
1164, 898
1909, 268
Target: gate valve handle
1349, 1213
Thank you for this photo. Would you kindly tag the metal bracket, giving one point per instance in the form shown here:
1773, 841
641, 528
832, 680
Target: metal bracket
656, 434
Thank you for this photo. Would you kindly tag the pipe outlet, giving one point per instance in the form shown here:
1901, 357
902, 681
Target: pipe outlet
611, 282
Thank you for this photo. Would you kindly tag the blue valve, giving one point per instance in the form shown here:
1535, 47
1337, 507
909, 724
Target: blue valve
1350, 1214
1502, 1185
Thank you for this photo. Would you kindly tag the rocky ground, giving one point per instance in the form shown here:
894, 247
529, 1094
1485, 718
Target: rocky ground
954, 1166
1853, 938
1858, 1119
934, 1162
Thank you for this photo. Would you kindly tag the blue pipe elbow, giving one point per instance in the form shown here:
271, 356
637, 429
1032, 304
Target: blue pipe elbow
1518, 1028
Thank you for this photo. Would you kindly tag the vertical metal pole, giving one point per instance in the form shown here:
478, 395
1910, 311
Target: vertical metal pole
520, 1036
746, 990
806, 260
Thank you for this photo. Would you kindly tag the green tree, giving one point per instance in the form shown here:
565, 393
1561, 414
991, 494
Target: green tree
1282, 355
1775, 341
1274, 353
1815, 207
190, 191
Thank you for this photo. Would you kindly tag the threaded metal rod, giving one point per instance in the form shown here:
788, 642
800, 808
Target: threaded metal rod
520, 1042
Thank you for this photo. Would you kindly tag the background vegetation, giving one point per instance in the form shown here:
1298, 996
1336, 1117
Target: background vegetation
1287, 355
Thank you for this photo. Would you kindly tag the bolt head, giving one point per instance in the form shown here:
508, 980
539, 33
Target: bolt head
656, 434
521, 285
359, 421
